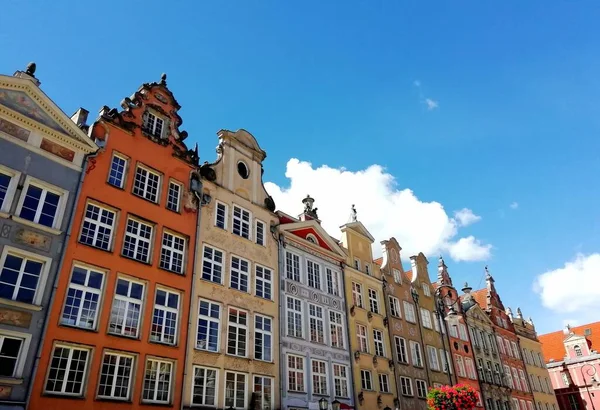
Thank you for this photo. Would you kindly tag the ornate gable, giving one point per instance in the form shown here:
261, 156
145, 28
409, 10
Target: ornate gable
312, 234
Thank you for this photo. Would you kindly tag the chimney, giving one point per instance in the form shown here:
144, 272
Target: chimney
28, 74
80, 117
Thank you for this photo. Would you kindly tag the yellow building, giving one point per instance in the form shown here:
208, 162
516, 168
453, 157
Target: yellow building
531, 350
233, 354
374, 381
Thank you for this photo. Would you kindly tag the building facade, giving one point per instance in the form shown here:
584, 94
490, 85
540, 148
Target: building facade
315, 357
373, 373
573, 364
233, 352
117, 326
495, 377
42, 155
531, 351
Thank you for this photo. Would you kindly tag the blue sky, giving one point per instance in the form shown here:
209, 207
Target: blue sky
513, 90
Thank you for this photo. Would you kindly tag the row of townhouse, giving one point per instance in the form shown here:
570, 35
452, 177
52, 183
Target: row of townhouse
132, 276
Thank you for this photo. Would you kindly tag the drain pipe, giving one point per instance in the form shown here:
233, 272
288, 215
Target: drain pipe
61, 260
282, 284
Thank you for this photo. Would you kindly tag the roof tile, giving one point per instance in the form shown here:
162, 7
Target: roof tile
552, 343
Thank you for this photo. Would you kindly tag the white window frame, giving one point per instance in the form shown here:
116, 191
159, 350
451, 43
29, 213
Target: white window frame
263, 333
41, 285
167, 252
213, 263
397, 276
379, 343
67, 370
136, 239
23, 351
416, 353
241, 221
434, 363
221, 208
97, 224
319, 377
384, 382
336, 327
340, 378
165, 310
426, 289
264, 404
260, 278
368, 270
406, 387
357, 264
86, 290
409, 312
242, 275
366, 380
357, 296
524, 386
45, 187
11, 189
373, 301
470, 367
401, 349
209, 320
332, 279
158, 379
115, 375
123, 158
444, 361
204, 396
422, 388
173, 202
316, 323
298, 316
262, 241
460, 365
240, 330
300, 373
235, 391
144, 194
129, 300
395, 306
151, 125
363, 338
313, 274
292, 266
426, 318
462, 333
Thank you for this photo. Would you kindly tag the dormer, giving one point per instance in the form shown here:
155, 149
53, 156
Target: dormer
359, 242
576, 346
391, 261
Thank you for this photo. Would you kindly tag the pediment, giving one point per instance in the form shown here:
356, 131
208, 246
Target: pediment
574, 338
22, 99
360, 228
246, 139
312, 229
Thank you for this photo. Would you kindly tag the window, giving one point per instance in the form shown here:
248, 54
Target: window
356, 264
263, 388
524, 386
384, 383
138, 237
263, 282
212, 264
515, 404
241, 222
367, 269
462, 333
153, 124
146, 184
164, 319
516, 379
68, 367
444, 361
373, 301
509, 378
209, 319
21, 276
436, 321
337, 329
401, 352
98, 225
340, 380
235, 390
366, 382
294, 317
243, 170
397, 277
115, 376
417, 356
434, 363
314, 274
565, 378
489, 376
311, 238
263, 338
315, 321
126, 309
426, 318
174, 196
221, 215
426, 290
500, 344
157, 381
260, 232
116, 175
548, 387
240, 272
172, 252
530, 405
292, 266
421, 388
8, 185
295, 373
83, 295
508, 348
394, 306
378, 340
573, 402
319, 376
363, 343
357, 295
578, 351
406, 386
470, 367
237, 333
454, 331
13, 351
515, 349
497, 376
41, 203
460, 365
205, 386
332, 282
409, 312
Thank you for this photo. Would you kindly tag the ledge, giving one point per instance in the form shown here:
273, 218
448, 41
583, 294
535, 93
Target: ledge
21, 305
36, 225
10, 380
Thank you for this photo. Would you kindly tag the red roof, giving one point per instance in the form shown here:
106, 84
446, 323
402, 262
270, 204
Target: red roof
408, 275
552, 343
378, 261
480, 297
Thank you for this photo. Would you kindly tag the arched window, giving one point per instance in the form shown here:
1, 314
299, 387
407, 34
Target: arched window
578, 351
311, 238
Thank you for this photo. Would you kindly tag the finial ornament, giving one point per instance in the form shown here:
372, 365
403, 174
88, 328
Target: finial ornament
308, 206
354, 215
30, 70
163, 79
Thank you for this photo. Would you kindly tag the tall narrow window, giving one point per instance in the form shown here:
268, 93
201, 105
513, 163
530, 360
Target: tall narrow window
379, 345
417, 356
524, 386
174, 196
115, 376
292, 266
12, 352
68, 367
401, 351
241, 222
138, 239
260, 232
460, 365
237, 333
409, 312
205, 386
366, 381
397, 276
20, 277
315, 315
337, 329
406, 386
426, 289
209, 321
164, 319
332, 282
319, 377
314, 274
516, 379
212, 264
426, 318
471, 368
263, 338
384, 383
434, 363
295, 373
126, 309
263, 282
578, 351
146, 184
394, 306
422, 388
116, 175
368, 269
172, 252
340, 380
373, 301
98, 225
153, 124
235, 390
41, 204
363, 343
508, 376
294, 317
83, 296
221, 215
157, 381
357, 297
263, 389
8, 185
240, 273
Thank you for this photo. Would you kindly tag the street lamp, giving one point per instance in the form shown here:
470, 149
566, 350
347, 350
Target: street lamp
323, 404
414, 294
591, 371
335, 405
445, 309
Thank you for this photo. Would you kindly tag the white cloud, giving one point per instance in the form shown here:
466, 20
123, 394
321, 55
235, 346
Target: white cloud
431, 104
569, 290
384, 208
417, 83
514, 205
466, 217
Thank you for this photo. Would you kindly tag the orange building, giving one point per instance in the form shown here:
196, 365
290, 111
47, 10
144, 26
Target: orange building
117, 328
